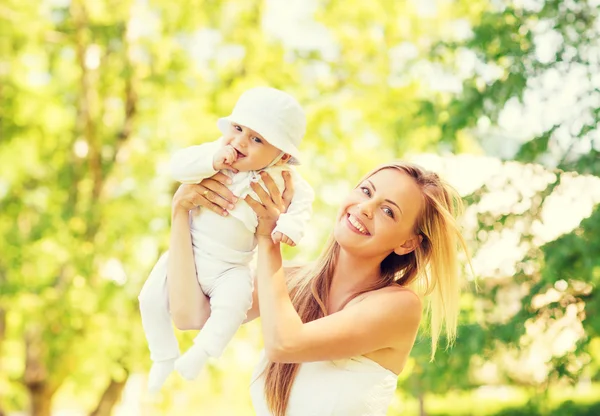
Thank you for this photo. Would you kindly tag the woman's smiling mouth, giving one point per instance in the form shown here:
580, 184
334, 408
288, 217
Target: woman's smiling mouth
356, 225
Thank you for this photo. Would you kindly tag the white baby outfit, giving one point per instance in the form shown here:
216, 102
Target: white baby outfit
224, 246
355, 386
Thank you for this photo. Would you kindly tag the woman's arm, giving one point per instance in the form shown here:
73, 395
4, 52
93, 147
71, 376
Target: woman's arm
254, 311
188, 305
388, 318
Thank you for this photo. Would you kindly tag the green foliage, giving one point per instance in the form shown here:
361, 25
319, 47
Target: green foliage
506, 41
94, 95
569, 407
566, 408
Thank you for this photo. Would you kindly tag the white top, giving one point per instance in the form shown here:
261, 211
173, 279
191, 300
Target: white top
351, 387
232, 238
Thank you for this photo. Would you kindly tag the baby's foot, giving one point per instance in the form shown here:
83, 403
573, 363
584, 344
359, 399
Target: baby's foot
190, 363
158, 374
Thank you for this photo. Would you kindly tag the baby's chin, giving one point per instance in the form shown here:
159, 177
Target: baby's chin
245, 165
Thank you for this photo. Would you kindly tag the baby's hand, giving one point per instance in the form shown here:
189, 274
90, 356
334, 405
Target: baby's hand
282, 238
224, 158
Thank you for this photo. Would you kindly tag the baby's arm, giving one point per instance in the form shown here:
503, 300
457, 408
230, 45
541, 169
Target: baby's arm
293, 222
194, 163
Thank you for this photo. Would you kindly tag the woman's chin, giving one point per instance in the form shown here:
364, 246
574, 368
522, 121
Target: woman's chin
345, 237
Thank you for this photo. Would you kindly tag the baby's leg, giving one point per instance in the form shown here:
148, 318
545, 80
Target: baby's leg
230, 299
156, 321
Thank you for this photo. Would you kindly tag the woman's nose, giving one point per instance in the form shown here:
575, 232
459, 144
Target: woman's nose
366, 209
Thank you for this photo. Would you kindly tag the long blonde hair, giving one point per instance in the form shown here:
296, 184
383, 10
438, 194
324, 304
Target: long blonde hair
432, 269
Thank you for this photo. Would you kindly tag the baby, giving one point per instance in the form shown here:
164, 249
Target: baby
262, 134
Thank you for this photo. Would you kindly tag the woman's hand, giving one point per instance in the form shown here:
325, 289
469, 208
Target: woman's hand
211, 193
271, 204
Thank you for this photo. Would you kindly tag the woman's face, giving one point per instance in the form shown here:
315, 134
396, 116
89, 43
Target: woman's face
379, 215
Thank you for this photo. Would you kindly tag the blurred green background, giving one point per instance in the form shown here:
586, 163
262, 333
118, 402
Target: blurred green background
501, 97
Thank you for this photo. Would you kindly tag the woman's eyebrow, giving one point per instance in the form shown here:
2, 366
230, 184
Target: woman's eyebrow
387, 200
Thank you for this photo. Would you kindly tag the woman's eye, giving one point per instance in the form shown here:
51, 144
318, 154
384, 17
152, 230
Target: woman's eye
388, 212
365, 191
257, 140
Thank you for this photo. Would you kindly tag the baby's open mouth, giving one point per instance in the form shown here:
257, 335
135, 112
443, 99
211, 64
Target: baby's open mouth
239, 154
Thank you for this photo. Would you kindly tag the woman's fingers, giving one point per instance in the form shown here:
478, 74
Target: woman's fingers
288, 192
211, 193
192, 196
221, 178
217, 184
255, 205
272, 188
184, 198
215, 198
265, 198
208, 199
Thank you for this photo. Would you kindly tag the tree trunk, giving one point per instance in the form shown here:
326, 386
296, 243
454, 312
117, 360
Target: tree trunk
36, 377
2, 334
3, 280
2, 326
422, 411
41, 399
110, 397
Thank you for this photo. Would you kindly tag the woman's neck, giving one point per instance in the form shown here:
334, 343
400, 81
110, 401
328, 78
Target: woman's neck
353, 275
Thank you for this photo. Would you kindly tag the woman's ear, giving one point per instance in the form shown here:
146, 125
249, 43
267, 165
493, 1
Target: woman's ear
409, 245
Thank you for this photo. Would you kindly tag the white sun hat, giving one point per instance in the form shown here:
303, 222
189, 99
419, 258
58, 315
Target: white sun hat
272, 113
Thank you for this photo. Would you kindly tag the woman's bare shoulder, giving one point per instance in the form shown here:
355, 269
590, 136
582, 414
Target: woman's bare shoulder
403, 294
401, 289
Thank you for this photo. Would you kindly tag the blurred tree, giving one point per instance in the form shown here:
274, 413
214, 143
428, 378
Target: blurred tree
94, 94
529, 92
91, 93
525, 55
69, 104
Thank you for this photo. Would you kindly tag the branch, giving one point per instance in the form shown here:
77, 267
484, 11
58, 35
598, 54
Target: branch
130, 109
35, 373
2, 325
110, 397
85, 121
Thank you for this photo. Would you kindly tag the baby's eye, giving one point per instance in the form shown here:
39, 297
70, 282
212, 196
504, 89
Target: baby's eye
257, 140
238, 128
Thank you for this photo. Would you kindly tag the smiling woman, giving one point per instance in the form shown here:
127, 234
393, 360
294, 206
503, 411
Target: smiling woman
338, 334
376, 215
336, 342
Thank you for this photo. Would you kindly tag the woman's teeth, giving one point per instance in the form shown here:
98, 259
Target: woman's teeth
357, 224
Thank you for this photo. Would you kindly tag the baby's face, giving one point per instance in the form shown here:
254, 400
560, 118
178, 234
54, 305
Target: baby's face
253, 151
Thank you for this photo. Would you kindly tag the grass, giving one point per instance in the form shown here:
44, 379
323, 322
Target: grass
488, 401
